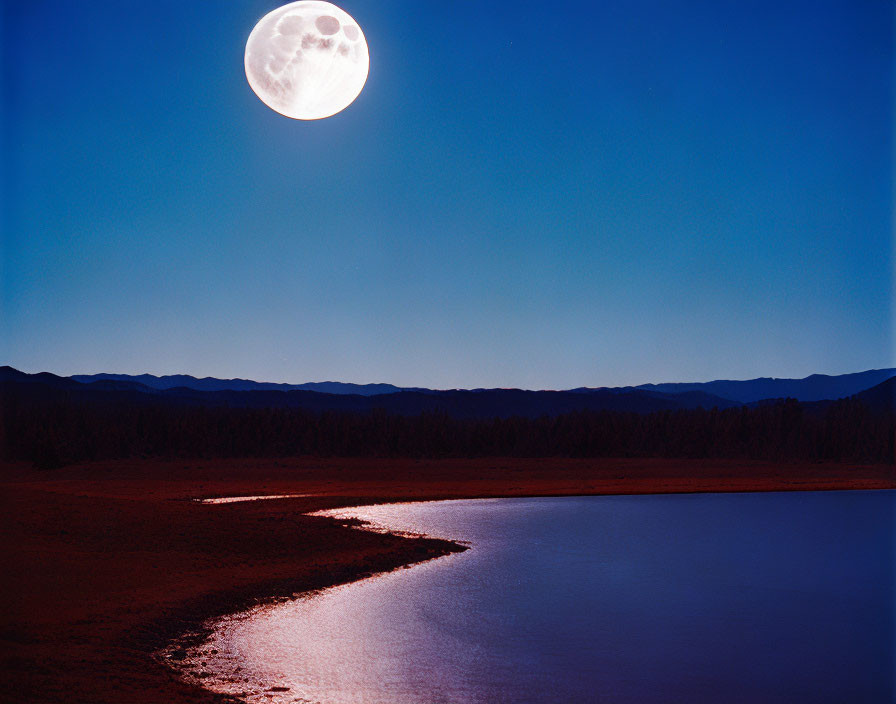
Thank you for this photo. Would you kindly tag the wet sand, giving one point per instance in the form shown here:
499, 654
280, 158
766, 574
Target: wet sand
106, 563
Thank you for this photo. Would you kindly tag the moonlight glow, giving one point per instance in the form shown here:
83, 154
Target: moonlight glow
307, 60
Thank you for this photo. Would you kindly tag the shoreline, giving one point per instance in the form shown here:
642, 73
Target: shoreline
172, 564
286, 650
175, 636
202, 628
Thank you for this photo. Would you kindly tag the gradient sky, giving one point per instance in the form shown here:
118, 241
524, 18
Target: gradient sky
531, 194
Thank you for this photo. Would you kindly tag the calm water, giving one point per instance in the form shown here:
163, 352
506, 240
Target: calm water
691, 598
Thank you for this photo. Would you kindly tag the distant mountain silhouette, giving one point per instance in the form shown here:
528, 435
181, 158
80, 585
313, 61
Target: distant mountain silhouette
52, 421
475, 403
211, 384
817, 387
483, 403
881, 397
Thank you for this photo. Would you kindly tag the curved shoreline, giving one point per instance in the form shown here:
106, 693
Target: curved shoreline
193, 623
258, 680
346, 515
141, 563
183, 654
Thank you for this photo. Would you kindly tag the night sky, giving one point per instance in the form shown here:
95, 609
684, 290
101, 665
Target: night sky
542, 195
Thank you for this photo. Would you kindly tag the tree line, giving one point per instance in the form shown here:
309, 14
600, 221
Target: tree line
51, 432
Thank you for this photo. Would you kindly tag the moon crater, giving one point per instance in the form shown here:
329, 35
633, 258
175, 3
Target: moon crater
327, 25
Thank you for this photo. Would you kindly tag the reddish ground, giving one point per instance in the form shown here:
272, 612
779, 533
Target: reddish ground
104, 563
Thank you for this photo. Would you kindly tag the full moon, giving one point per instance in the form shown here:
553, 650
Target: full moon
307, 60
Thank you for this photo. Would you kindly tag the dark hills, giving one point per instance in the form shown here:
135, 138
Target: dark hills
211, 384
880, 398
52, 421
480, 403
817, 387
874, 386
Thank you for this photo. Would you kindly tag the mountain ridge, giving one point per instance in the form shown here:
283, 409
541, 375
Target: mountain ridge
460, 403
492, 403
815, 387
208, 383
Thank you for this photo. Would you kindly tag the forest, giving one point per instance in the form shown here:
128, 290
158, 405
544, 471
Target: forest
51, 431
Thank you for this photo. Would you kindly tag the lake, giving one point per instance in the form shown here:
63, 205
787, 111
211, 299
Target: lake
776, 597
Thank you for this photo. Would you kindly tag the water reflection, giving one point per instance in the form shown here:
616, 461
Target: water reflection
734, 598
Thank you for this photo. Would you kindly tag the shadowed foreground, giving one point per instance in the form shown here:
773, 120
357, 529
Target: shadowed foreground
108, 561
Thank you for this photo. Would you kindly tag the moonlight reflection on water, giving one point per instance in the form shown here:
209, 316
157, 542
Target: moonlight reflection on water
715, 597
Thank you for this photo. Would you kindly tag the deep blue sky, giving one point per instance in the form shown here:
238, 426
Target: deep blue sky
525, 194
